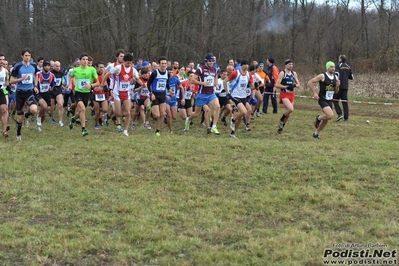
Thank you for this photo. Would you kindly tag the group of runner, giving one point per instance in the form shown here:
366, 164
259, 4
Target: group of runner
126, 93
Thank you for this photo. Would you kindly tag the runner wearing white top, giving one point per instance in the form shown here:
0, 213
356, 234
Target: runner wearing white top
4, 88
224, 99
118, 60
253, 102
241, 79
125, 75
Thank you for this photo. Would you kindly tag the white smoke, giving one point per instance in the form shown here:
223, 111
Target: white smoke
277, 23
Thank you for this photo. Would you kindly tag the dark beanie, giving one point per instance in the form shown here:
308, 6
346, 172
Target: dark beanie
244, 61
288, 61
271, 60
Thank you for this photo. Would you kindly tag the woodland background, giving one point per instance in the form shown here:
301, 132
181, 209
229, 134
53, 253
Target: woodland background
309, 32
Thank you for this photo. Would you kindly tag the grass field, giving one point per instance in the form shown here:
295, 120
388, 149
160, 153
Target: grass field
197, 199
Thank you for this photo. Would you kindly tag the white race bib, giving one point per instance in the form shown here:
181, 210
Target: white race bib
44, 87
28, 80
188, 95
99, 97
82, 83
124, 86
329, 95
58, 82
210, 80
161, 85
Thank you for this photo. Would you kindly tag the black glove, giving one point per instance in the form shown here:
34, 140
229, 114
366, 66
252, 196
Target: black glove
291, 87
8, 88
105, 88
257, 84
228, 96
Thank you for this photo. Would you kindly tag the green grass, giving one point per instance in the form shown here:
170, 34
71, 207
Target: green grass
197, 199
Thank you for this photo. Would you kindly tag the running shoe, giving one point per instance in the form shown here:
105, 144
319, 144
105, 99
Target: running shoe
258, 114
97, 127
215, 131
19, 138
125, 133
119, 128
39, 121
38, 128
187, 125
233, 135
252, 117
52, 121
280, 127
340, 117
61, 123
316, 135
208, 130
72, 122
105, 116
317, 122
84, 132
232, 125
148, 125
247, 128
157, 134
26, 121
133, 126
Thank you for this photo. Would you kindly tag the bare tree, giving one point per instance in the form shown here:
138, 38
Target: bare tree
305, 30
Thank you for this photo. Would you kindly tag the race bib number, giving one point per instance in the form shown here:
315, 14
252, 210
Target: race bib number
82, 83
58, 82
28, 80
188, 95
44, 87
99, 97
329, 95
124, 86
161, 85
209, 80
